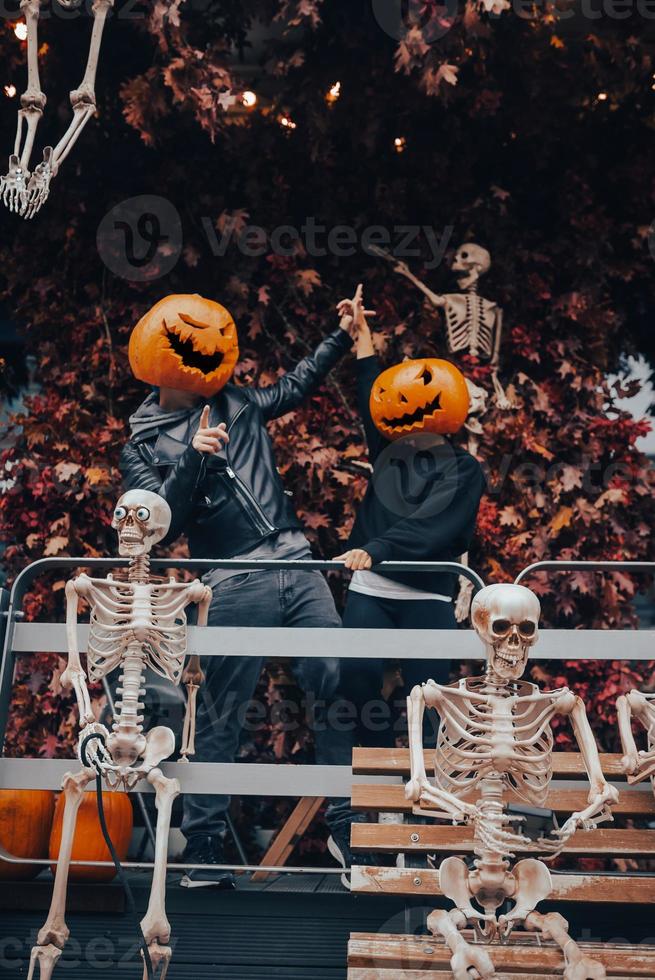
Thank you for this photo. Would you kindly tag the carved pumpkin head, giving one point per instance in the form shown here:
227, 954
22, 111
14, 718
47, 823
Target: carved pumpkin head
185, 342
429, 395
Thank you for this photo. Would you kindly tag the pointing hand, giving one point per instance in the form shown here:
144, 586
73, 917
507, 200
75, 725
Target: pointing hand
210, 439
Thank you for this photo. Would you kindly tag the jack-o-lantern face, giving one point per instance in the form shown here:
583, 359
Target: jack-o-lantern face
185, 342
429, 395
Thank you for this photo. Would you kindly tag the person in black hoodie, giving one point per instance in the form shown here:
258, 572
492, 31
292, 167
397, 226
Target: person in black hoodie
421, 504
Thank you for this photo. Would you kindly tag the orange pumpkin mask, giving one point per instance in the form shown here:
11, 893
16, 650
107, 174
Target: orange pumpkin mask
429, 395
185, 342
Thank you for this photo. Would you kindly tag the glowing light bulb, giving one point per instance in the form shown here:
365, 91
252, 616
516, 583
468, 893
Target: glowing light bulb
287, 122
400, 144
20, 30
249, 99
10, 91
602, 96
334, 94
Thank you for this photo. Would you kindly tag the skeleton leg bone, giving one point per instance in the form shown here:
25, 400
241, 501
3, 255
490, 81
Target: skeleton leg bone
52, 937
467, 961
189, 732
14, 185
83, 99
578, 966
155, 925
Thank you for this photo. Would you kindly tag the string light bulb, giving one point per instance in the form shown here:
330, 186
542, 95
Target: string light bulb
10, 91
20, 30
333, 94
400, 144
602, 96
249, 99
287, 123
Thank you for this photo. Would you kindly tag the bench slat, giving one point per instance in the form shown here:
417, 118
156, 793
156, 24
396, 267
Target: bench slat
391, 799
380, 951
597, 889
395, 762
443, 838
370, 973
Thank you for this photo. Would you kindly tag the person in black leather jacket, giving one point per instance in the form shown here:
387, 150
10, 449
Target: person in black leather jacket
216, 467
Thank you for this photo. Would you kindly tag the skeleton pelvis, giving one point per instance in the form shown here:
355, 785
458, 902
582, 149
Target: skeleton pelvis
125, 748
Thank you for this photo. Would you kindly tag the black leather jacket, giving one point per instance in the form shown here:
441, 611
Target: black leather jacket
228, 502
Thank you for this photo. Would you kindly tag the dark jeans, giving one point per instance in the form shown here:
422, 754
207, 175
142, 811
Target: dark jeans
267, 599
361, 680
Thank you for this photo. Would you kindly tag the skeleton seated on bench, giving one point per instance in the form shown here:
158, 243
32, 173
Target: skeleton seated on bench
495, 737
138, 620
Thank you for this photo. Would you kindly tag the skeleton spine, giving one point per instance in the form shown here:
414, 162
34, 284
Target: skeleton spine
132, 679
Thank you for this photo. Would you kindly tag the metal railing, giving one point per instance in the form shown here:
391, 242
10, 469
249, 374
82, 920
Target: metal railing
248, 779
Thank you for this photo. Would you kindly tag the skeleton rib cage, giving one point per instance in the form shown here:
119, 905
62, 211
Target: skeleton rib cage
470, 323
118, 610
471, 718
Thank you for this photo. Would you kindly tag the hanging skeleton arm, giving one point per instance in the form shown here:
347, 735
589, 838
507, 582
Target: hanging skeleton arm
192, 678
20, 190
75, 676
419, 789
601, 794
637, 764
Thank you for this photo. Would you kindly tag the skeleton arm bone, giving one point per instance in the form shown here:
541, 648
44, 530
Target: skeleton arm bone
402, 269
502, 400
601, 793
74, 674
33, 101
634, 703
418, 787
193, 677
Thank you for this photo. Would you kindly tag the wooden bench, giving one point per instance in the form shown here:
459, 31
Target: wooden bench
383, 957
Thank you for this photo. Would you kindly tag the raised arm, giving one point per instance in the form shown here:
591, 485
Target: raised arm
403, 270
294, 387
368, 367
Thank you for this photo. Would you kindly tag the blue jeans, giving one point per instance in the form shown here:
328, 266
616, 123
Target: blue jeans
265, 599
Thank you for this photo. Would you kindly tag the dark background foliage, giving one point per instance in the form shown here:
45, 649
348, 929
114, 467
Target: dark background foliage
541, 151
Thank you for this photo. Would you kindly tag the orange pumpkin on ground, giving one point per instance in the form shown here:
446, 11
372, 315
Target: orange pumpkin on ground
25, 822
88, 843
185, 342
427, 395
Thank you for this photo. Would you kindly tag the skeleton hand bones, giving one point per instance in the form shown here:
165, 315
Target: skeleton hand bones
597, 812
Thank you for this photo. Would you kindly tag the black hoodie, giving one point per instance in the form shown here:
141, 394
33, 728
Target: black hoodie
422, 500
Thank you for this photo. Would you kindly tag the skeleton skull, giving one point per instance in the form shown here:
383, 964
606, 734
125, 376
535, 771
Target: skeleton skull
506, 618
142, 519
473, 261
